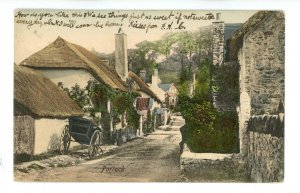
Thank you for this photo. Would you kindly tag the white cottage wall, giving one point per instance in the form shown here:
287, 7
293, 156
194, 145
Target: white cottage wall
69, 77
47, 134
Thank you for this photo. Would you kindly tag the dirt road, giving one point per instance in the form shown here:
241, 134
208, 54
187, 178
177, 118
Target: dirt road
154, 158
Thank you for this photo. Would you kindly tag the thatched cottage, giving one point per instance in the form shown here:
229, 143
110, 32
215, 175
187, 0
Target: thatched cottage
62, 61
41, 110
70, 64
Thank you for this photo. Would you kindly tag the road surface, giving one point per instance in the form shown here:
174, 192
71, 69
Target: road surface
154, 158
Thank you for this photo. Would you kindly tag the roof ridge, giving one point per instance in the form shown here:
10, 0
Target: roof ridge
143, 86
89, 64
112, 72
64, 54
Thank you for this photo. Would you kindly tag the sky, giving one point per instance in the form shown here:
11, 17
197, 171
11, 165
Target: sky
32, 38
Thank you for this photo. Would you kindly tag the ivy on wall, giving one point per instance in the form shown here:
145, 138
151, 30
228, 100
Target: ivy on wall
94, 98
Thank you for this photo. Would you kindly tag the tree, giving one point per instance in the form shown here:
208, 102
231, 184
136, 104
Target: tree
143, 57
76, 93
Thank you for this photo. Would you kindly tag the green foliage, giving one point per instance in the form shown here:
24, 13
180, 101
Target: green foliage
123, 102
144, 57
223, 138
188, 48
76, 93
184, 75
183, 90
199, 114
203, 81
94, 97
149, 123
99, 95
206, 129
226, 82
169, 77
133, 118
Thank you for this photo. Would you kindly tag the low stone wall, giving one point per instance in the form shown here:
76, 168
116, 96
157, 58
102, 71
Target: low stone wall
212, 167
123, 135
266, 148
24, 133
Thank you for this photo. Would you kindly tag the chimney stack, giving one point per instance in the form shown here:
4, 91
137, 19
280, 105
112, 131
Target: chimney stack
154, 80
143, 75
218, 41
218, 16
121, 63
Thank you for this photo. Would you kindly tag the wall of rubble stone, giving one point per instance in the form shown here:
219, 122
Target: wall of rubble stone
218, 42
212, 167
23, 137
262, 64
261, 59
266, 148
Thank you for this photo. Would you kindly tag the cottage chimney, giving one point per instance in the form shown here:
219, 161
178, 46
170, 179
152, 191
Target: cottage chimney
143, 75
154, 80
121, 63
218, 16
218, 40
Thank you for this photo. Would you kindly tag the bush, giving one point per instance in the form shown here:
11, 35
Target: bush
223, 138
206, 129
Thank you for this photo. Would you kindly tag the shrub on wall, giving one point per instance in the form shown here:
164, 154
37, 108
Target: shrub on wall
206, 129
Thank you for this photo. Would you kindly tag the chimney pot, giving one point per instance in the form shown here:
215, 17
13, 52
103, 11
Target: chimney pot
121, 59
143, 75
218, 16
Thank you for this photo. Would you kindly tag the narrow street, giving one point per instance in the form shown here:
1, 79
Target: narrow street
154, 158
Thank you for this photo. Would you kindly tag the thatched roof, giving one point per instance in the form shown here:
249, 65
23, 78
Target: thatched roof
37, 96
143, 86
63, 54
236, 42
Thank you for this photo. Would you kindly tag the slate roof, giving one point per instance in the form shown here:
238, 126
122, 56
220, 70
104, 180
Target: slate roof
165, 87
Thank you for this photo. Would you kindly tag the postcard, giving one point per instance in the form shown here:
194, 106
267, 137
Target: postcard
149, 95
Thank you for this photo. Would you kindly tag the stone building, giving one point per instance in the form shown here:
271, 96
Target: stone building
258, 46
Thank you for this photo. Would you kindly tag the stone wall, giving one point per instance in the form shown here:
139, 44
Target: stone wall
262, 64
218, 42
123, 135
23, 137
261, 59
212, 167
266, 148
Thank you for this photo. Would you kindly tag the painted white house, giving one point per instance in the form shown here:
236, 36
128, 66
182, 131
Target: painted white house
154, 86
41, 111
171, 94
